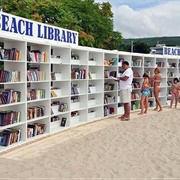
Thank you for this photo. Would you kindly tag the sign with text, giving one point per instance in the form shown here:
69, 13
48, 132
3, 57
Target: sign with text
21, 27
175, 51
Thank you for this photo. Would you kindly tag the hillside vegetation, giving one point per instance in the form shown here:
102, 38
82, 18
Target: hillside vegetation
168, 41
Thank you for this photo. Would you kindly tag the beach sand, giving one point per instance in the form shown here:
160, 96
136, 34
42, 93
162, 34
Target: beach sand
147, 146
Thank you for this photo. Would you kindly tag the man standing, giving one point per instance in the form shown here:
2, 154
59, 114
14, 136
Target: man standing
126, 79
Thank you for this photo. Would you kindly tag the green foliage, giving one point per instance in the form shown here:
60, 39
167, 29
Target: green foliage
168, 41
114, 41
141, 47
93, 21
138, 46
125, 47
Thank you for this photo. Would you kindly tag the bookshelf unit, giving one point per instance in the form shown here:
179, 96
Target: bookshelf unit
56, 86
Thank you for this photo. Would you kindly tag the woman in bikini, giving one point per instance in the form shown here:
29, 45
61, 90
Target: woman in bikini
157, 80
175, 92
145, 93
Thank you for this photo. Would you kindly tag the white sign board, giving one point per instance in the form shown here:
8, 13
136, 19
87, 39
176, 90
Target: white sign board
24, 28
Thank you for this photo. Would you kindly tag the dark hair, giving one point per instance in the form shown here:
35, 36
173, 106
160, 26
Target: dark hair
125, 63
176, 79
146, 75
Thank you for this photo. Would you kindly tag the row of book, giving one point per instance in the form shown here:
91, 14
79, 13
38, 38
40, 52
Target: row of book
77, 73
10, 54
109, 99
160, 64
135, 95
37, 56
10, 136
35, 112
10, 76
35, 129
150, 63
136, 74
63, 120
108, 87
57, 106
110, 62
137, 62
74, 89
108, 111
55, 92
9, 117
136, 84
171, 65
108, 73
171, 74
34, 94
74, 99
36, 75
10, 96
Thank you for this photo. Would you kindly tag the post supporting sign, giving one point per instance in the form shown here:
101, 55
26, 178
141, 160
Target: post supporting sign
21, 27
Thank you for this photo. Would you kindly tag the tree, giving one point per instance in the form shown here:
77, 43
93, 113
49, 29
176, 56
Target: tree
141, 47
93, 21
114, 41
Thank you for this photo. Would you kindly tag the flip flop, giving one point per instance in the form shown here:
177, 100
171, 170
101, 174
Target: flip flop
125, 119
121, 117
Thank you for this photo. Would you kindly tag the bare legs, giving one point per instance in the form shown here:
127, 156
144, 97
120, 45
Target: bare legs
147, 105
144, 104
126, 114
176, 101
158, 103
126, 110
172, 100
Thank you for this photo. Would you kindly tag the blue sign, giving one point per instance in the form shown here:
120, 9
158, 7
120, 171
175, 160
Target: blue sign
18, 26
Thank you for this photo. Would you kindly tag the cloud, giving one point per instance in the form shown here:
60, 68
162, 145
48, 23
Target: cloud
160, 20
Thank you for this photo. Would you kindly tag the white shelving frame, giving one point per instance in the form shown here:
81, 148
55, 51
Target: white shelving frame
91, 105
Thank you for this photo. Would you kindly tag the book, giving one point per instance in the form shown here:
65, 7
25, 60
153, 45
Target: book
114, 78
9, 96
63, 122
35, 112
34, 94
10, 136
10, 76
10, 54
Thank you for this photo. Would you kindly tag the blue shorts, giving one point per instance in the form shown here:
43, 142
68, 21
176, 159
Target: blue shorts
146, 92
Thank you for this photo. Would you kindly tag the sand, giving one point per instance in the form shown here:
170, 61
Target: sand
147, 146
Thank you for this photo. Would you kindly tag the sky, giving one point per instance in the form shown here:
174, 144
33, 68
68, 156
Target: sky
146, 18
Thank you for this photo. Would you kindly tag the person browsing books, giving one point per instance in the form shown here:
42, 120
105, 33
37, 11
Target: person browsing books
156, 79
145, 92
125, 83
175, 92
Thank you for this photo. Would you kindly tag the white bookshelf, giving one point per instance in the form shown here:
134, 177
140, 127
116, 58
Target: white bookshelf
90, 103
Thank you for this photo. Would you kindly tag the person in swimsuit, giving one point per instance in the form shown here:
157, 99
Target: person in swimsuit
156, 83
175, 92
145, 94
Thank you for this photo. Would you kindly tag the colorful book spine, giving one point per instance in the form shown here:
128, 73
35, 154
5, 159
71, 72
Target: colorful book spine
10, 136
34, 94
9, 76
